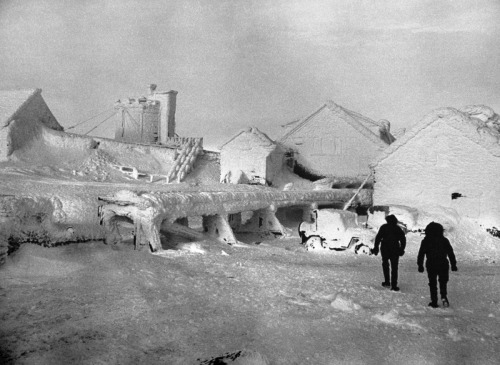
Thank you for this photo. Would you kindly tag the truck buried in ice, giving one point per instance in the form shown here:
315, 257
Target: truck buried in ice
337, 230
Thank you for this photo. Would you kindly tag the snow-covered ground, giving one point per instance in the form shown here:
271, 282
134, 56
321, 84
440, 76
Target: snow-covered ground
90, 303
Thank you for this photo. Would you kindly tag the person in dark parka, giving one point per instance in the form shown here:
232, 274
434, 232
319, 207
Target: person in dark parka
437, 248
392, 242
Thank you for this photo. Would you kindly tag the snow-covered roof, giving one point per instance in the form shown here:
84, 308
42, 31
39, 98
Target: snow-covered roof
12, 101
365, 126
255, 132
466, 120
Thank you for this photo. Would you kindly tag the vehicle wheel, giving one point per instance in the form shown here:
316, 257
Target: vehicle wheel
362, 249
313, 243
302, 236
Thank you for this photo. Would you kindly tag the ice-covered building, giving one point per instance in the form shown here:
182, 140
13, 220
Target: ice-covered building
149, 119
250, 156
450, 159
21, 113
334, 141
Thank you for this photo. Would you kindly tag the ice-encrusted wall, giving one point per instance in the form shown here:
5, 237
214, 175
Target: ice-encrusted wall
329, 147
441, 166
28, 134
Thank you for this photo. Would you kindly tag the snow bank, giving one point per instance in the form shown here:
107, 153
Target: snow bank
468, 238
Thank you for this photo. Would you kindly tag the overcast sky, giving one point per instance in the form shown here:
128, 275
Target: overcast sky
238, 63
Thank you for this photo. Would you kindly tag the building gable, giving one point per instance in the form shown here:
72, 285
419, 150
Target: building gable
249, 138
331, 113
473, 129
11, 101
25, 105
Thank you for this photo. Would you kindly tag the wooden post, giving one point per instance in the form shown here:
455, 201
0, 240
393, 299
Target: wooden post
348, 204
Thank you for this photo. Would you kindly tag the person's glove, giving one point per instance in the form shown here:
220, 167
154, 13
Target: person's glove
454, 268
401, 253
420, 269
375, 251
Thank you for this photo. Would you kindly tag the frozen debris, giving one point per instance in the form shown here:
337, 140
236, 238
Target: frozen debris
393, 318
193, 248
453, 333
344, 304
96, 165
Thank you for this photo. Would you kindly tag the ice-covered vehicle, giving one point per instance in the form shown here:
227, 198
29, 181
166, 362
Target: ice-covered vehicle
407, 216
334, 229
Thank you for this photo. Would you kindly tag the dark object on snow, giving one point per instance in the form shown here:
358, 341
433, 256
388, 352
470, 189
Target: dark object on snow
243, 357
494, 231
392, 242
437, 249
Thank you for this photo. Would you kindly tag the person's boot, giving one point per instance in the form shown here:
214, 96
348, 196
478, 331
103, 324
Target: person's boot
395, 288
433, 305
386, 284
446, 304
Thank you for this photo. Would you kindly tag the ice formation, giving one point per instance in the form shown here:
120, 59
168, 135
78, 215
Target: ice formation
153, 211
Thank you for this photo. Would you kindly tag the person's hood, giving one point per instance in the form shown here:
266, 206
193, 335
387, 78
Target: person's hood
434, 229
391, 219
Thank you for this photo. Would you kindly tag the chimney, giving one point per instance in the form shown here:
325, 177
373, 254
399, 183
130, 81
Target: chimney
151, 89
168, 101
170, 112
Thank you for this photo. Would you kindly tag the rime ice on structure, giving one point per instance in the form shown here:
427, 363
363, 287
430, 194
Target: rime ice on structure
149, 119
334, 141
22, 115
250, 156
450, 159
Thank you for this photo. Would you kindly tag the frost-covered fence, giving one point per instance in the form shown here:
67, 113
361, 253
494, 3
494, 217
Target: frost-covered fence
149, 212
